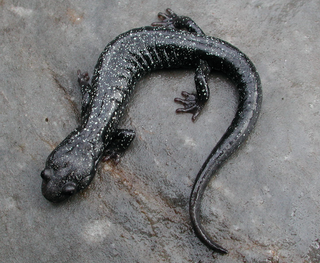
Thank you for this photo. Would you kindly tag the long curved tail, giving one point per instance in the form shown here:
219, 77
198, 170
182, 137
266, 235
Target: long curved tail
250, 98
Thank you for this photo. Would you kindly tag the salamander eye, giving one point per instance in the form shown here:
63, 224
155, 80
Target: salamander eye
46, 174
69, 188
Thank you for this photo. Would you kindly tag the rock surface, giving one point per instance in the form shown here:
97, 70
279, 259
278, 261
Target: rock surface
263, 205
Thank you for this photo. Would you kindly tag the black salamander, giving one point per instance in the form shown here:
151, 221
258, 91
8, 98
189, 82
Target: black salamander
175, 42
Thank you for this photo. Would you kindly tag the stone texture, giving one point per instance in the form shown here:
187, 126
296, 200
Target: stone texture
264, 203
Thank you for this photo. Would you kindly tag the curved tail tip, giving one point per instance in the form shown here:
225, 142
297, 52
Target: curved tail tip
220, 249
213, 245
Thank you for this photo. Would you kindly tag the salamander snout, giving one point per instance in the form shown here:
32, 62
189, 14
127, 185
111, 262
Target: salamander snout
54, 189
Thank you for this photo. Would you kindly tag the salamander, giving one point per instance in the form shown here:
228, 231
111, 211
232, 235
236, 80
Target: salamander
173, 42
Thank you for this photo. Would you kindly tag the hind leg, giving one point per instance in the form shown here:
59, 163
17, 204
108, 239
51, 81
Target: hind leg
192, 102
172, 20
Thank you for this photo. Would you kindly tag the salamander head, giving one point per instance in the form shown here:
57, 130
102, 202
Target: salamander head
68, 170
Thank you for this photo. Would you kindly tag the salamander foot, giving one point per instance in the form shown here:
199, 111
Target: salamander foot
167, 19
191, 104
112, 155
118, 144
83, 79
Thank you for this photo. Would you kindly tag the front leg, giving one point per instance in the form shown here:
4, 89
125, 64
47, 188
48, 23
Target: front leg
118, 144
86, 91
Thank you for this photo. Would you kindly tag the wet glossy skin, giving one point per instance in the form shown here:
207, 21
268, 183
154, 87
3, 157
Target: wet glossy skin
72, 165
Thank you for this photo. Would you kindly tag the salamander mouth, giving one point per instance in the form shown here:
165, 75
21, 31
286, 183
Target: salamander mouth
52, 189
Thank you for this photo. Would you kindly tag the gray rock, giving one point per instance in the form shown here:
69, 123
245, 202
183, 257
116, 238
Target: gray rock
263, 205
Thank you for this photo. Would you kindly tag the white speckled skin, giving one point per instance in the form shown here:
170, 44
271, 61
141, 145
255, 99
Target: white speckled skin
72, 165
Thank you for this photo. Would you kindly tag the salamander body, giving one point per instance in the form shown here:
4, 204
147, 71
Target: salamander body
175, 42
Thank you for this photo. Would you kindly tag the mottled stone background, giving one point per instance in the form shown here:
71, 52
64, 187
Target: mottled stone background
263, 204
